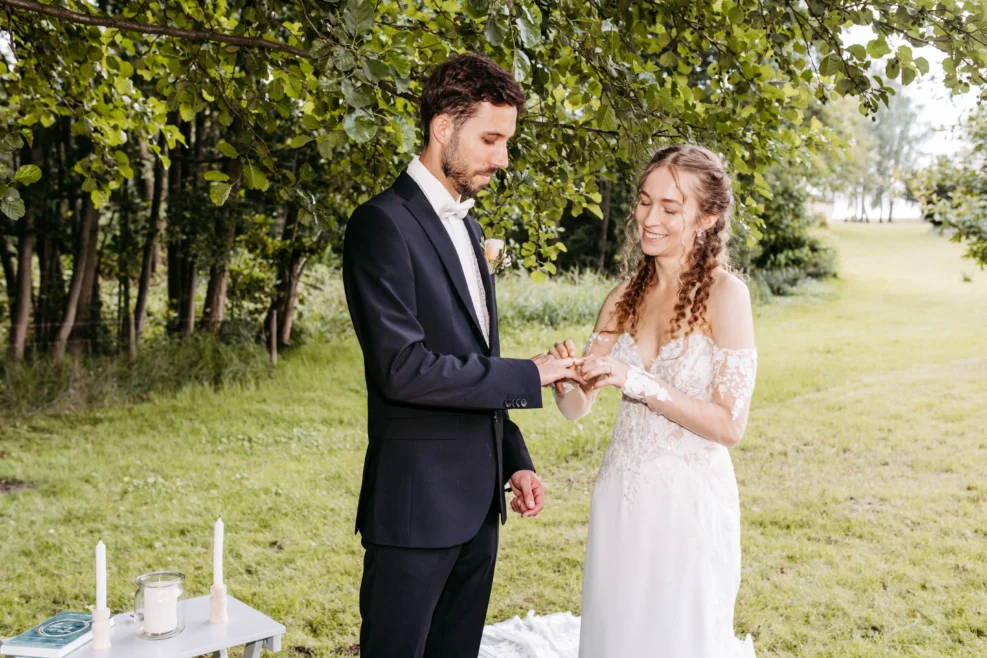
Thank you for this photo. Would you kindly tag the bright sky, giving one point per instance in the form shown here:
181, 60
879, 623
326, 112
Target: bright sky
938, 109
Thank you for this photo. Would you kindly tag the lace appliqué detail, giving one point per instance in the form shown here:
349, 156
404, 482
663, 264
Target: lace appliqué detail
734, 372
640, 386
645, 445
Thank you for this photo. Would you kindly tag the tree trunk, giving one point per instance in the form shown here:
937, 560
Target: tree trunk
25, 286
291, 265
890, 210
51, 291
154, 227
214, 311
604, 229
180, 242
87, 317
9, 273
88, 216
287, 320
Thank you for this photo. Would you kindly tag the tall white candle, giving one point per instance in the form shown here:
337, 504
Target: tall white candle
217, 553
160, 609
100, 575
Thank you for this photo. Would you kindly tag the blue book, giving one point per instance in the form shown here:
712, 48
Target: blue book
54, 638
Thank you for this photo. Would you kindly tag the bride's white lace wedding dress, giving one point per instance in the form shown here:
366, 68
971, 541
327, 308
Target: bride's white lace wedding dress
663, 553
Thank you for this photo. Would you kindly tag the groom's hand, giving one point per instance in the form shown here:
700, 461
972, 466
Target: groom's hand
552, 369
529, 493
564, 350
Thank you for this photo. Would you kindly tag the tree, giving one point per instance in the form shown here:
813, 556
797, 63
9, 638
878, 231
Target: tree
896, 134
226, 96
953, 192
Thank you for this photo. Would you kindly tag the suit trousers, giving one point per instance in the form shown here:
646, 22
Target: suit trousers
428, 602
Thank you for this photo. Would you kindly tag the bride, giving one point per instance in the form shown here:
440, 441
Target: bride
677, 339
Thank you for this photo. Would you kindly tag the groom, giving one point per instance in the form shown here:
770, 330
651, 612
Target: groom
441, 445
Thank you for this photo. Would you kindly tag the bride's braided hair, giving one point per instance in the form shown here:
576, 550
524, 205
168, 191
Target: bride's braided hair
715, 197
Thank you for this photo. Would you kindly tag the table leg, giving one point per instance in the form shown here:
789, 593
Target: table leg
253, 649
273, 643
219, 654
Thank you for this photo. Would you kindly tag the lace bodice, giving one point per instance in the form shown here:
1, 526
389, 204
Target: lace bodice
694, 365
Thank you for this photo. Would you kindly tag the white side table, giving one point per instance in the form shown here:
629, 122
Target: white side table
246, 627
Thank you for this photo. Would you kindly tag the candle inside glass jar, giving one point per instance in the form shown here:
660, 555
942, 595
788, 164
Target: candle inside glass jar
160, 609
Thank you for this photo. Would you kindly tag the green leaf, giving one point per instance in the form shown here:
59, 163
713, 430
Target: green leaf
908, 75
893, 68
215, 174
859, 51
522, 66
13, 141
219, 193
476, 8
328, 142
538, 277
530, 35
606, 118
255, 178
99, 197
227, 149
401, 65
375, 70
357, 95
358, 17
187, 112
830, 65
28, 174
922, 64
343, 60
878, 47
495, 31
299, 141
276, 91
321, 49
360, 127
12, 205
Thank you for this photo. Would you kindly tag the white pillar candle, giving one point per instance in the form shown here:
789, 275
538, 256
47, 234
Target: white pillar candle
160, 609
100, 575
217, 553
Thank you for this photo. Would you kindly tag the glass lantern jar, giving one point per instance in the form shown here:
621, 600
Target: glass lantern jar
159, 605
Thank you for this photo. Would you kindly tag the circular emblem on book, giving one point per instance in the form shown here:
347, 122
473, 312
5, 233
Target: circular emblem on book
64, 627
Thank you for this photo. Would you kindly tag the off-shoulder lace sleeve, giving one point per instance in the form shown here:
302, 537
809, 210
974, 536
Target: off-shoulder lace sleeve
734, 372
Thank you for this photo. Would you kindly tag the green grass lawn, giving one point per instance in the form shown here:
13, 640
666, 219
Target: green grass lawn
861, 478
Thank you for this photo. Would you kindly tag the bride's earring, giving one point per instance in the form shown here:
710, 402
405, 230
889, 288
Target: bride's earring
699, 233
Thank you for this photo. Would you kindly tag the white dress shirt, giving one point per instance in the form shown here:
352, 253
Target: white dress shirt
455, 224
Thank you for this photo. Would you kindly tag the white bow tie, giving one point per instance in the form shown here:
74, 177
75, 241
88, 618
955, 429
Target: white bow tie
455, 209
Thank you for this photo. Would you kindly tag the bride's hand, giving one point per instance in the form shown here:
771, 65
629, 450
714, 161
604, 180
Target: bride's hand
604, 371
563, 350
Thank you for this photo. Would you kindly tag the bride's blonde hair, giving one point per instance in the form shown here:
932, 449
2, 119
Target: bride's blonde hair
715, 196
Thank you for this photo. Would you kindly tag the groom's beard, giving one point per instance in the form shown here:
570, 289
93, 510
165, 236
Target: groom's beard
458, 172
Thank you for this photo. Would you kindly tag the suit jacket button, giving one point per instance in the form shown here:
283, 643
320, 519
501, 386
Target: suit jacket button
507, 403
524, 403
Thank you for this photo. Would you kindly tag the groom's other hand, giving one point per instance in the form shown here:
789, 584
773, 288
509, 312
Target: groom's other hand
564, 350
552, 369
529, 493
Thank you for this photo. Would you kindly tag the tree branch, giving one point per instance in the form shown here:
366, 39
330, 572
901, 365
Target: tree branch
132, 26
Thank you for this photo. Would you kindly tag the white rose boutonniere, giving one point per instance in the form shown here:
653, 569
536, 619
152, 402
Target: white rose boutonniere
495, 251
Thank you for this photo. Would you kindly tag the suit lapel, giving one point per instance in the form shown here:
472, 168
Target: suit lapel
416, 202
477, 233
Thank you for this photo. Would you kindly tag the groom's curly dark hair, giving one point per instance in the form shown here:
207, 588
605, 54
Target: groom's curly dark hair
459, 84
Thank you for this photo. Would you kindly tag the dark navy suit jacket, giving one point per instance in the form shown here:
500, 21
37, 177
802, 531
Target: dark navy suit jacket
441, 444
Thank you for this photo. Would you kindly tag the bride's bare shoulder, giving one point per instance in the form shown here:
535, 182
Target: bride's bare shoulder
607, 320
728, 294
